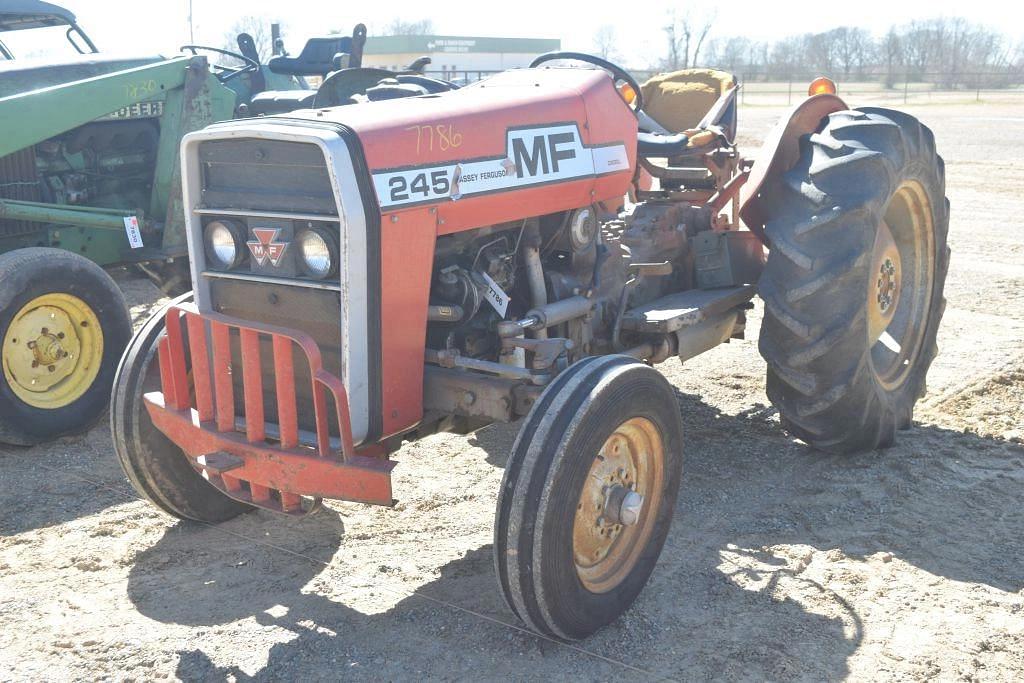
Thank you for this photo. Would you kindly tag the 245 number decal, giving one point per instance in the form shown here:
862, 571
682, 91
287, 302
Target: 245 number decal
419, 186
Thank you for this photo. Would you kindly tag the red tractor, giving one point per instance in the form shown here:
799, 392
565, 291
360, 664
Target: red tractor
528, 247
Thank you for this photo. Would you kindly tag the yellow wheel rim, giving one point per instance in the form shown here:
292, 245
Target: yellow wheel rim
606, 545
900, 285
52, 351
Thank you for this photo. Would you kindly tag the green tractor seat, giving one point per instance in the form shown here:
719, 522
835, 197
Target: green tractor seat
316, 58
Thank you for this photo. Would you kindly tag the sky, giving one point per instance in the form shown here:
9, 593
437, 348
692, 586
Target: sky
149, 26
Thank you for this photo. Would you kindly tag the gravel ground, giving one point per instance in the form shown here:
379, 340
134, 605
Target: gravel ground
782, 563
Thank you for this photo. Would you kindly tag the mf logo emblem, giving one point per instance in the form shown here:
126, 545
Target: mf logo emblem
543, 153
534, 155
266, 247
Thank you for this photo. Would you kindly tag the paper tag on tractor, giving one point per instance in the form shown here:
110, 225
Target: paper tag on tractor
131, 228
495, 295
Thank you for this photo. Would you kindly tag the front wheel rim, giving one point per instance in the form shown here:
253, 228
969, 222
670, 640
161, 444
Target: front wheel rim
606, 549
52, 351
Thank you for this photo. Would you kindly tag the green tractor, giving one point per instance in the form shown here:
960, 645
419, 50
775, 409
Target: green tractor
90, 179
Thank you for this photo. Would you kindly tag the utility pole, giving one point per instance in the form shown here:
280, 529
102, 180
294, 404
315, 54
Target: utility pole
191, 29
276, 44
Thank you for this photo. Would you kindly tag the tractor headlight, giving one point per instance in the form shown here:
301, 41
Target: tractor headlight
318, 252
223, 244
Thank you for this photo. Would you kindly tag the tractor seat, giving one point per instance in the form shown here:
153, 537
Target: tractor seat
316, 58
280, 101
661, 146
680, 100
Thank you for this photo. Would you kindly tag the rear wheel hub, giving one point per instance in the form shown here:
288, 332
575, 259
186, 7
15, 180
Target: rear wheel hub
900, 285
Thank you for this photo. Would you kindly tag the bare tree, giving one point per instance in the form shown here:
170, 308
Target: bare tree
757, 56
952, 52
686, 37
672, 62
917, 48
892, 50
853, 48
702, 30
400, 27
605, 44
735, 53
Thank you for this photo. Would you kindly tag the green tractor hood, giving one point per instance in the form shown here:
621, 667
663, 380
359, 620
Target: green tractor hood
26, 75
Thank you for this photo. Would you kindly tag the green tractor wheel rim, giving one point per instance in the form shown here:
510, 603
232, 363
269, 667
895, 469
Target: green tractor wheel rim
52, 351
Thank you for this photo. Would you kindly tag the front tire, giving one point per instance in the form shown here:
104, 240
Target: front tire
63, 326
853, 285
588, 496
155, 467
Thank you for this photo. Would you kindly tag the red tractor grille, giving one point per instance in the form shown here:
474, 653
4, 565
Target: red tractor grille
270, 466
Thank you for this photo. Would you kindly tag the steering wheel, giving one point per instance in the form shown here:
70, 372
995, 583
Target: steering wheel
617, 72
231, 72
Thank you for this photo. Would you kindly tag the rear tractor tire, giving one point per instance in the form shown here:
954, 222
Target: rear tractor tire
853, 285
63, 326
155, 467
588, 496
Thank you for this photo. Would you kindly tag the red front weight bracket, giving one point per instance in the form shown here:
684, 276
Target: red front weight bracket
264, 465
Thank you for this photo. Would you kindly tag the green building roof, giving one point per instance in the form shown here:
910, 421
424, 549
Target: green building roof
385, 45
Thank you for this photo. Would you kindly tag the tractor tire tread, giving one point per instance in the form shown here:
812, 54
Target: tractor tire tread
813, 336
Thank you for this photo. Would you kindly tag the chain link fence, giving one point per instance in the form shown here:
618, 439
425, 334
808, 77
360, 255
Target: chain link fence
769, 89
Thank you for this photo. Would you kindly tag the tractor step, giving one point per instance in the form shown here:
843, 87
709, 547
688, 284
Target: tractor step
683, 309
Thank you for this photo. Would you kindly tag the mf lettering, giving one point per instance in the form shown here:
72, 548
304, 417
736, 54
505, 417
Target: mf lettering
540, 154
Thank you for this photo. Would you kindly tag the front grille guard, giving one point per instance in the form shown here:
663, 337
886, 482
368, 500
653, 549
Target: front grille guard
196, 410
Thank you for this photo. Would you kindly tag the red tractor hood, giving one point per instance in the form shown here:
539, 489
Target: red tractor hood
494, 151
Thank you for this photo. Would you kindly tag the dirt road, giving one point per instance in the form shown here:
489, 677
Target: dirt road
782, 563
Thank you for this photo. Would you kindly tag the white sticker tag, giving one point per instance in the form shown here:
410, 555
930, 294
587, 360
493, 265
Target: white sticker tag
131, 227
495, 295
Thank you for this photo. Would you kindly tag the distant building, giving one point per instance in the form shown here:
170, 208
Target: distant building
456, 57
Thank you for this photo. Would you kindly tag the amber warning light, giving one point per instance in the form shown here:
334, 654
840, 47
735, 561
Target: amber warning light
822, 86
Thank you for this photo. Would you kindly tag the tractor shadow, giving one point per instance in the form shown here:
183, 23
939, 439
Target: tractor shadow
725, 602
944, 501
232, 593
730, 600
